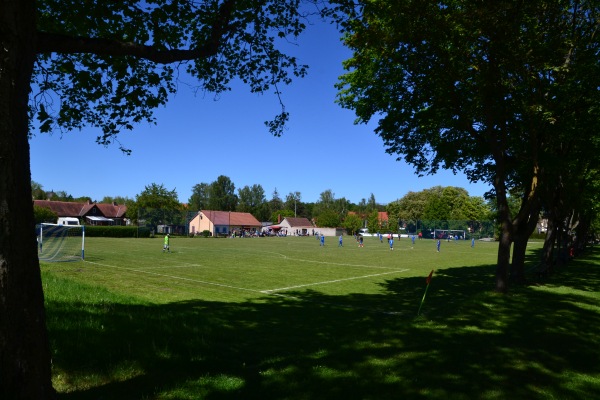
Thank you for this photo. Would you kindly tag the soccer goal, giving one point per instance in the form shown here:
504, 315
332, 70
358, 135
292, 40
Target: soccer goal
450, 234
60, 242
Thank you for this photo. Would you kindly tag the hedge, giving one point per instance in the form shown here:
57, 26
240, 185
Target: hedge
117, 231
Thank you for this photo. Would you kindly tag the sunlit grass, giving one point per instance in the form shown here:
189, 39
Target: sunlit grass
283, 318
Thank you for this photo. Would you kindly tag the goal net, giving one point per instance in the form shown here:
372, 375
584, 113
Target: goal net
60, 242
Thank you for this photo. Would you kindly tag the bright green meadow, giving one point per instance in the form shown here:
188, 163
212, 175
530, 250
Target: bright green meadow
284, 318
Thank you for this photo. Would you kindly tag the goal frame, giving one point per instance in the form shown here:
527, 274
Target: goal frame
41, 239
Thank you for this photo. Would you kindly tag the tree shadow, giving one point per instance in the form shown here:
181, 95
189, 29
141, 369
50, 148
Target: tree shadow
468, 343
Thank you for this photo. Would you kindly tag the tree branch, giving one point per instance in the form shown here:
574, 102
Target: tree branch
48, 42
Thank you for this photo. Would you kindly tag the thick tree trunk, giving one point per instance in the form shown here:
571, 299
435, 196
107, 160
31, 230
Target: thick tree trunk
24, 349
521, 233
505, 242
503, 260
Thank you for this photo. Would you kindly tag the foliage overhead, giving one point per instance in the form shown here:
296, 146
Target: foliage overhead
112, 65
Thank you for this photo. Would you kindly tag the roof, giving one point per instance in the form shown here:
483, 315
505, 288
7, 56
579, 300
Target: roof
63, 208
231, 218
293, 222
72, 209
112, 210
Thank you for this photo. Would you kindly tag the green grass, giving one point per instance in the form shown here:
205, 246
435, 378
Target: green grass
283, 318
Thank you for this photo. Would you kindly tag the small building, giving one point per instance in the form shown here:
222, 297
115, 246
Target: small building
295, 226
223, 223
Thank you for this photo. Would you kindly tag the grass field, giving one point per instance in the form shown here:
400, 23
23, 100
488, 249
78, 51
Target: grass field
284, 318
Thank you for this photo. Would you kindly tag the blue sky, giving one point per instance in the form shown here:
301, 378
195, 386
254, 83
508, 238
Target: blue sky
196, 139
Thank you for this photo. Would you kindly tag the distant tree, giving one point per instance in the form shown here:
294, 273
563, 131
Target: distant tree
115, 199
293, 202
372, 204
362, 206
341, 206
352, 223
37, 191
44, 215
280, 215
199, 198
263, 213
326, 202
222, 195
328, 219
275, 203
250, 199
82, 199
61, 195
373, 222
410, 207
327, 199
156, 206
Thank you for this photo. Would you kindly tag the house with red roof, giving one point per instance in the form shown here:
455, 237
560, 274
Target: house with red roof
223, 223
87, 213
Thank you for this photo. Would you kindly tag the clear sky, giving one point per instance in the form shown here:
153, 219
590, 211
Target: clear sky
198, 138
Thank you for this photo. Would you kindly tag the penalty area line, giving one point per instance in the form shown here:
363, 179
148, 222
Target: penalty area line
270, 291
176, 277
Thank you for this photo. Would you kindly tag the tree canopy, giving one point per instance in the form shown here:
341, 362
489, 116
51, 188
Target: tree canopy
498, 90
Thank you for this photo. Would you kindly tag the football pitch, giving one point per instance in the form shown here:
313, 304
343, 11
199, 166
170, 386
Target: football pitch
285, 318
253, 268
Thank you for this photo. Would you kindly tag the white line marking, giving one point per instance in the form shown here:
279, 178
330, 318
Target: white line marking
176, 277
332, 281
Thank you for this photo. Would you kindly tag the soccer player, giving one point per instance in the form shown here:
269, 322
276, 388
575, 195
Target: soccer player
438, 245
391, 242
166, 245
472, 242
340, 244
322, 240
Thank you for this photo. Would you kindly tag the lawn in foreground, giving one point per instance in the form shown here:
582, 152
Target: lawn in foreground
284, 318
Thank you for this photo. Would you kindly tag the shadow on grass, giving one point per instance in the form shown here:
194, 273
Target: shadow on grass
537, 342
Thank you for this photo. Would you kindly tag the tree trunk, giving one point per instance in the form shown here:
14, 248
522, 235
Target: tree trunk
505, 229
548, 248
24, 350
503, 260
521, 233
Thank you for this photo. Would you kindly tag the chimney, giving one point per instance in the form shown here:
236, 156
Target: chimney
278, 218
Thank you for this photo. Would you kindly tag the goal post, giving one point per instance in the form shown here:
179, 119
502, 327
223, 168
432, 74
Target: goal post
58, 243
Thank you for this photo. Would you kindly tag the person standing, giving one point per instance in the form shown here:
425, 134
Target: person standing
340, 243
472, 242
391, 241
166, 244
322, 243
438, 245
